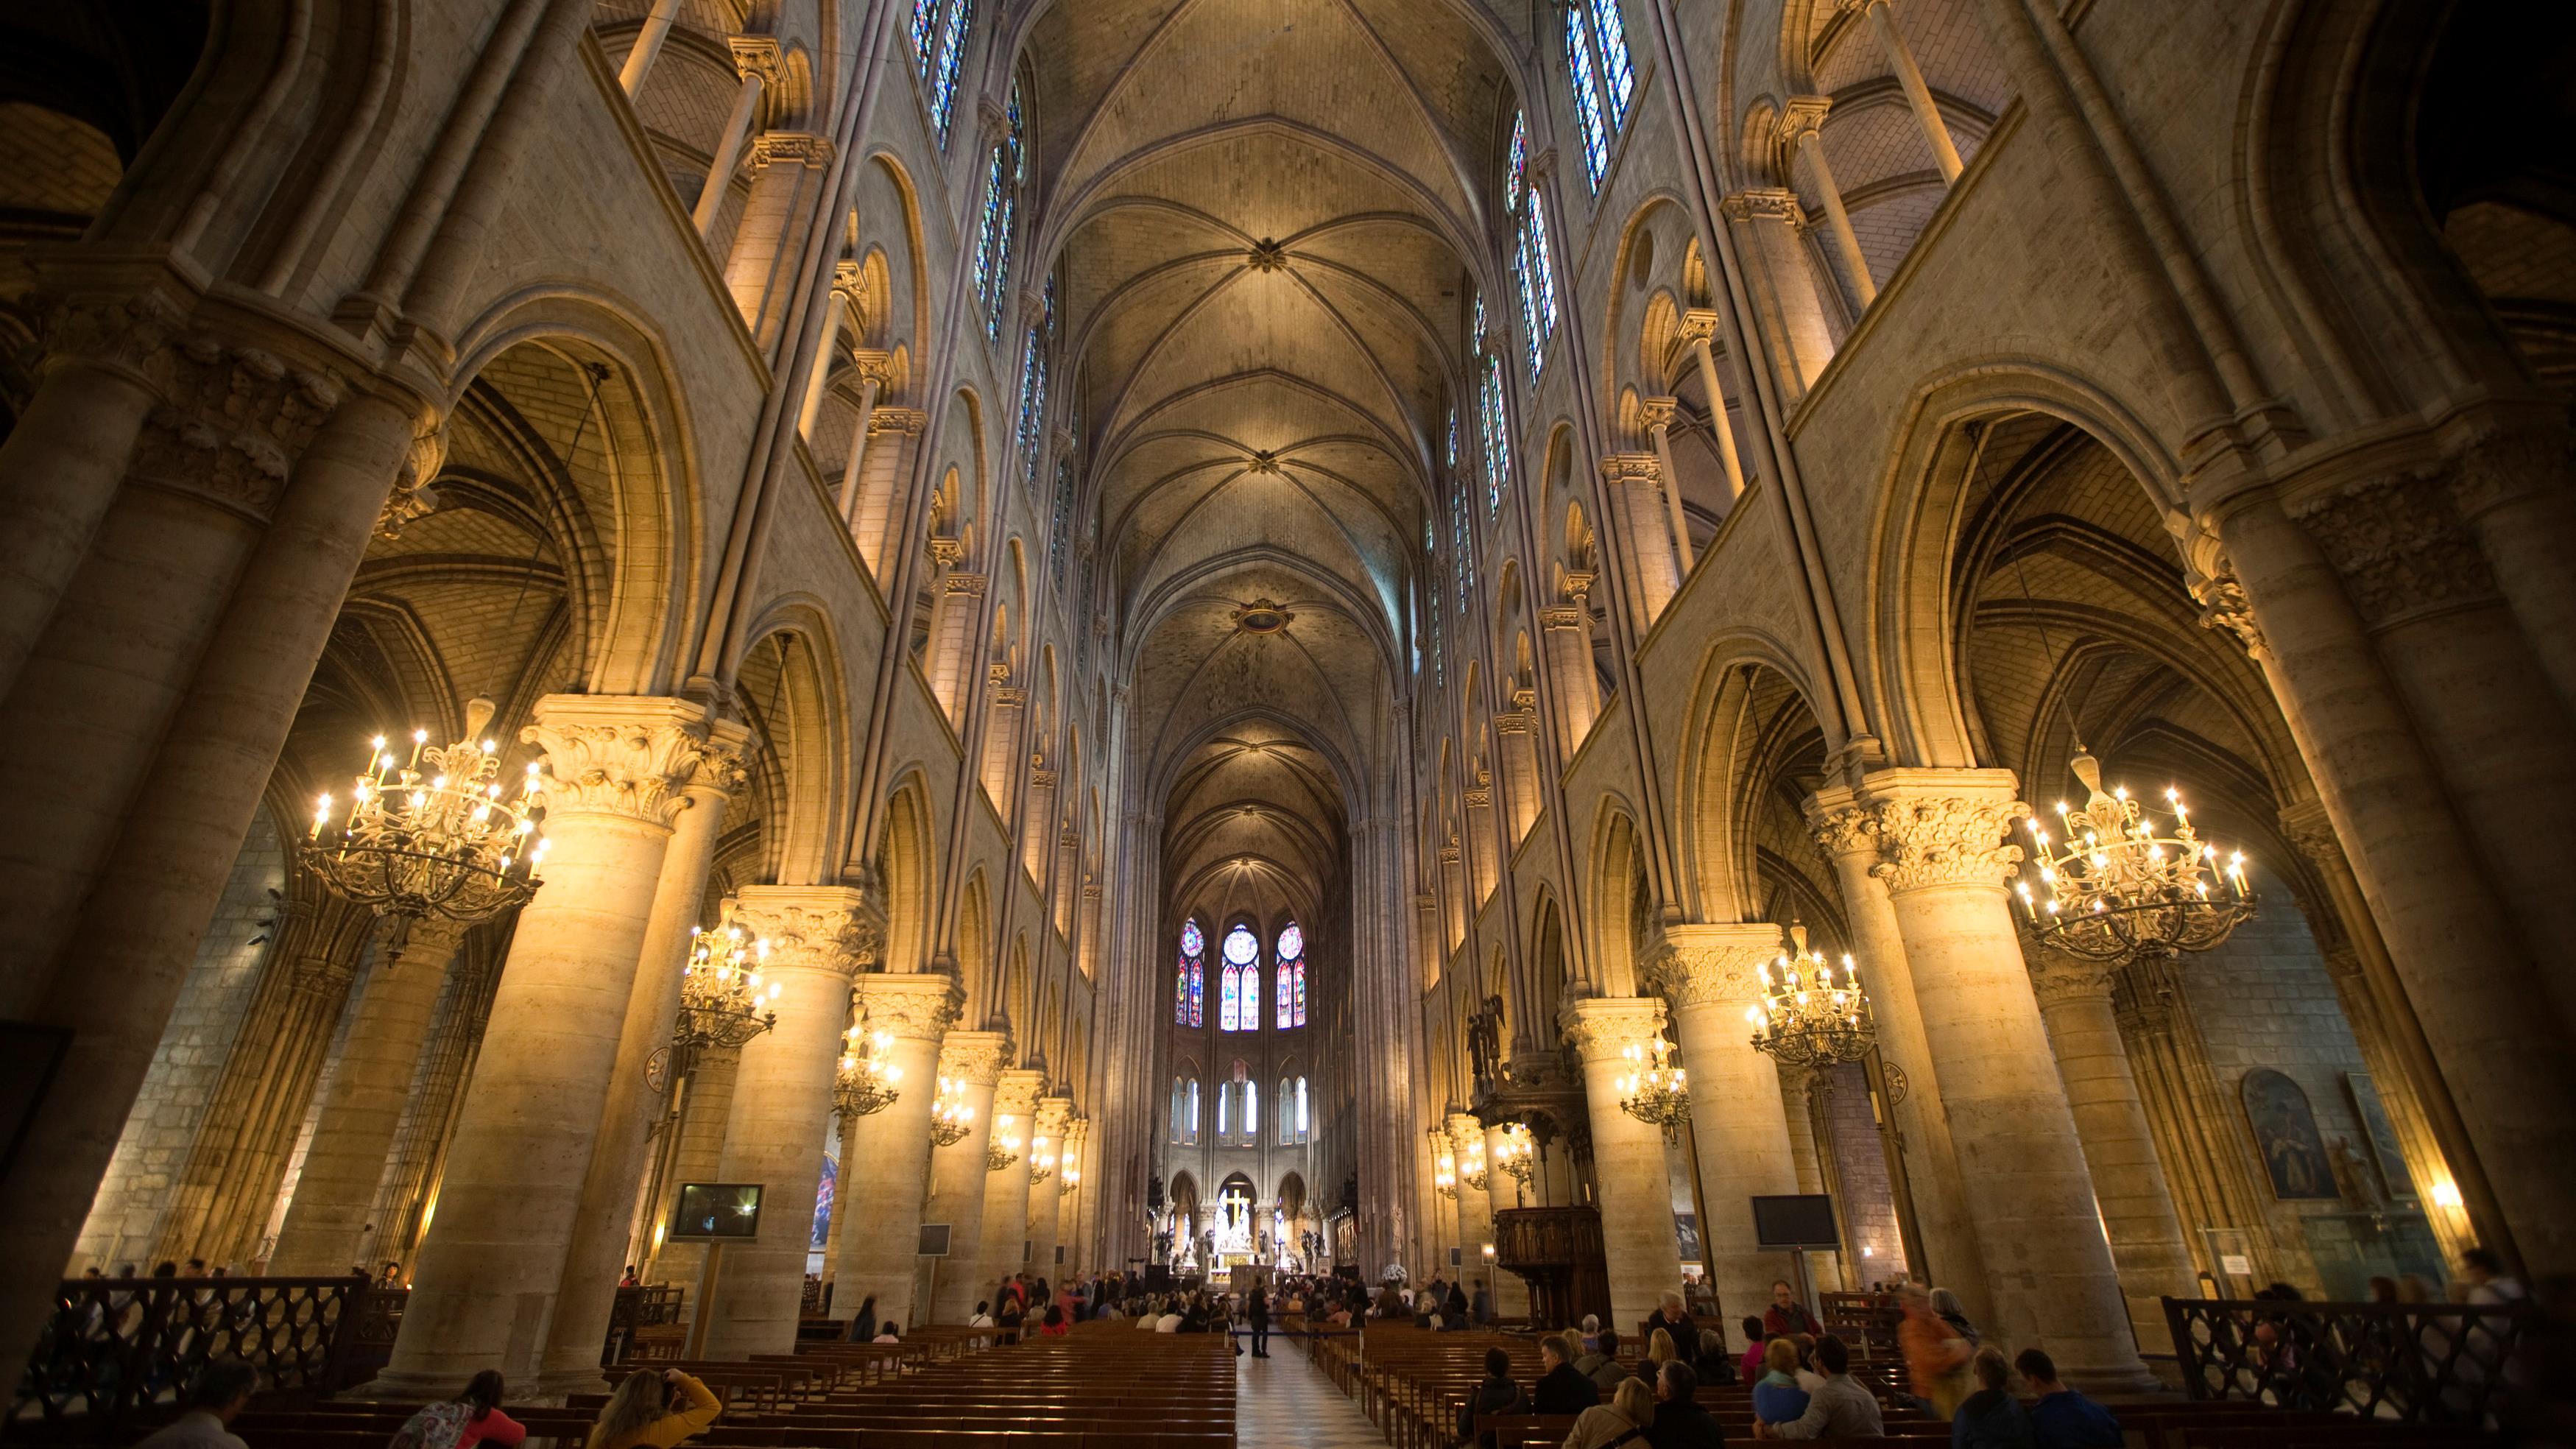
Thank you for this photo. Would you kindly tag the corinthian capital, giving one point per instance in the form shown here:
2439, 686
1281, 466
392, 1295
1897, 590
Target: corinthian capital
1717, 965
1842, 826
2057, 978
1054, 1117
976, 1058
1943, 827
235, 420
1016, 1093
808, 928
617, 754
1602, 1028
913, 1006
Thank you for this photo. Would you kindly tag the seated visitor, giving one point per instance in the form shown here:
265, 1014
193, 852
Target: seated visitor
1777, 1396
1561, 1388
1601, 1363
1623, 1420
1496, 1394
469, 1418
2063, 1418
1990, 1418
1839, 1408
653, 1411
1680, 1423
222, 1390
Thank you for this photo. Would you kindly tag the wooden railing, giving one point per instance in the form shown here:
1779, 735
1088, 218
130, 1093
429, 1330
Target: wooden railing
2423, 1363
116, 1345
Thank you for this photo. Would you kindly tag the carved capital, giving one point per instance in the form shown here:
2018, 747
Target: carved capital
799, 148
808, 928
1712, 965
1699, 324
976, 1058
905, 422
2312, 834
872, 366
1054, 1118
2502, 464
1045, 780
2399, 542
1765, 203
1634, 470
1480, 799
1658, 413
1449, 853
720, 768
2223, 605
1801, 117
412, 498
1602, 1028
121, 332
965, 585
233, 424
2058, 979
915, 1007
1009, 696
757, 55
1565, 616
1015, 1095
1841, 825
1512, 722
617, 755
1941, 828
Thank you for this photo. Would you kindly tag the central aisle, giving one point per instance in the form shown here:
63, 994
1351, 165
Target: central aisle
1282, 1402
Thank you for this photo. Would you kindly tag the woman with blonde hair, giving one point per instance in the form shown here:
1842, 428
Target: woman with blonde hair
1660, 1349
653, 1411
1623, 1420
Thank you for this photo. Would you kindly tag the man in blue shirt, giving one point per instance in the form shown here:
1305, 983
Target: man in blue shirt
2063, 1418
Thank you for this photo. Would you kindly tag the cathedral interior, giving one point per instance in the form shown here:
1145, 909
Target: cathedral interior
1406, 639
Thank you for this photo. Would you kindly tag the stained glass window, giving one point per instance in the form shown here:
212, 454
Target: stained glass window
1489, 408
1033, 392
940, 67
1305, 1122
1287, 1111
1292, 977
1189, 991
1251, 1109
1585, 79
1542, 271
1003, 173
1240, 1007
924, 13
1618, 78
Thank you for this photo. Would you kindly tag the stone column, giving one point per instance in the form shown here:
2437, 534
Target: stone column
1502, 1192
874, 369
1801, 134
1699, 325
328, 1221
1632, 482
2508, 480
786, 174
1475, 1206
757, 58
1627, 1157
1054, 1118
1781, 285
1909, 76
491, 1267
1848, 835
1565, 631
958, 604
1004, 1247
874, 1242
706, 1114
882, 469
1001, 737
1514, 738
782, 1103
1944, 860
647, 47
971, 1061
604, 1233
2119, 1145
1657, 414
1708, 975
411, 1174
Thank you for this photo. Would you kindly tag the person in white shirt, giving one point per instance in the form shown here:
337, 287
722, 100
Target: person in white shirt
1168, 1323
982, 1317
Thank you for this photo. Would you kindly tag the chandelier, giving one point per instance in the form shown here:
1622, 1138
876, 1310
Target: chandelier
1471, 1173
432, 835
1444, 1163
1806, 1017
1041, 1161
723, 1000
951, 1115
865, 1083
2117, 888
1001, 1149
1655, 1091
1513, 1156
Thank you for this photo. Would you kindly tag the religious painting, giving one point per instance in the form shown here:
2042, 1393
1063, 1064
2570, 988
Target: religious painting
2285, 1134
1686, 1235
826, 1193
2382, 1133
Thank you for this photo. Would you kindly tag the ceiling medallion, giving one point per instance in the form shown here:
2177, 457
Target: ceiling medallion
1263, 461
1268, 256
1261, 617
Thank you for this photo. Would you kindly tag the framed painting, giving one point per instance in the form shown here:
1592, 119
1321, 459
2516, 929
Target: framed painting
2285, 1133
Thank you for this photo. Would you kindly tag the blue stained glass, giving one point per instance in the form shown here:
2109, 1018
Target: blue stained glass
1497, 464
1615, 70
922, 13
1189, 1007
1287, 1002
1587, 96
987, 234
1518, 178
1192, 943
1229, 1008
995, 304
1545, 279
1452, 453
1533, 344
952, 44
1301, 1021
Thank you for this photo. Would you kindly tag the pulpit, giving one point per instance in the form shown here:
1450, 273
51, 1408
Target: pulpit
1557, 1252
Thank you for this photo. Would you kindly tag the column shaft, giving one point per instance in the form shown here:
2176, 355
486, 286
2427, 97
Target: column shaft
886, 1176
647, 47
1636, 1196
737, 128
972, 1061
1707, 973
1718, 423
1005, 1233
1909, 76
1811, 144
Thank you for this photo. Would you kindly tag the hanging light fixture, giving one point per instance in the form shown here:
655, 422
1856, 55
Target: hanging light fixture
1041, 1161
1471, 1173
1655, 1090
951, 1115
433, 835
1001, 1149
1444, 1163
2121, 885
1514, 1155
1071, 1179
724, 1000
1807, 1015
865, 1084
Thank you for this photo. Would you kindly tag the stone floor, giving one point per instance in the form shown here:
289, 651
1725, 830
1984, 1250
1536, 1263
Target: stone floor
1282, 1402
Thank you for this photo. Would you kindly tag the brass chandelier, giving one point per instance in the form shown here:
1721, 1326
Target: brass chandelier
865, 1084
1444, 1163
1001, 1149
1472, 1173
1514, 1154
951, 1116
724, 1001
434, 835
1806, 1016
1041, 1161
1654, 1090
2121, 886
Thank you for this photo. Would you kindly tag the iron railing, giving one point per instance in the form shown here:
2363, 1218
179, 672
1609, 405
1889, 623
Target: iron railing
116, 1346
2422, 1363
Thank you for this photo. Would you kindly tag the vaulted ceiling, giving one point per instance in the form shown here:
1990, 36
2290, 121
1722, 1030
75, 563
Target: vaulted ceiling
1263, 212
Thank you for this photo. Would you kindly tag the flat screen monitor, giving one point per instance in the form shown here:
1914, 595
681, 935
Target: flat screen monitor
934, 1240
1805, 1220
716, 1212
